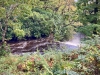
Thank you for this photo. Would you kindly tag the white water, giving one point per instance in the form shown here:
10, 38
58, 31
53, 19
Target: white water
75, 42
76, 39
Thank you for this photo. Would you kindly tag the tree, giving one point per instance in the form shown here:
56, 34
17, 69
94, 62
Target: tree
88, 11
6, 13
39, 24
10, 12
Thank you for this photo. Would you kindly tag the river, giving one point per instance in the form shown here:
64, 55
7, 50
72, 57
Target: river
43, 43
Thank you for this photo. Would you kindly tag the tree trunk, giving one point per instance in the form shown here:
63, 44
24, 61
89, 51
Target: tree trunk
4, 34
4, 30
95, 12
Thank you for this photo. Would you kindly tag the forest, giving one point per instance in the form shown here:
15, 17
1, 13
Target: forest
34, 36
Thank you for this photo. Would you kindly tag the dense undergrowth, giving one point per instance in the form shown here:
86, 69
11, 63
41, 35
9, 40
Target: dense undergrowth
85, 61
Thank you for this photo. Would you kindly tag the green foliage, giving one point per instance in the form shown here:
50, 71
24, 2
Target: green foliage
8, 64
10, 13
2, 11
88, 11
4, 50
58, 25
89, 60
68, 33
25, 11
62, 31
39, 24
90, 30
34, 18
19, 33
8, 35
65, 33
42, 23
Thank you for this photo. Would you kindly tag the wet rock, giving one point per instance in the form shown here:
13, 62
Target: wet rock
31, 45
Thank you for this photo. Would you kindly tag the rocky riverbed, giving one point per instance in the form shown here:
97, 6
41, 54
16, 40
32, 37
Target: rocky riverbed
44, 43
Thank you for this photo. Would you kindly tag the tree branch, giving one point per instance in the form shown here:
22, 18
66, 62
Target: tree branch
1, 27
11, 9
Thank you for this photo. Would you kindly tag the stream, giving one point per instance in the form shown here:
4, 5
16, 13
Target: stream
43, 43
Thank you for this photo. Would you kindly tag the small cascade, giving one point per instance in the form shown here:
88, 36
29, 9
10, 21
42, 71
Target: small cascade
74, 43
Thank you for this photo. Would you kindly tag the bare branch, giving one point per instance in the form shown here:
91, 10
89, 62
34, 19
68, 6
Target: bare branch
11, 9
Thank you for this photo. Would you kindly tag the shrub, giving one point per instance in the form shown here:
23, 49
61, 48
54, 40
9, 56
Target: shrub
68, 32
89, 30
4, 50
85, 61
19, 33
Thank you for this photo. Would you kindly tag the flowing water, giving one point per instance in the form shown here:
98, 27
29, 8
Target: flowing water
43, 43
74, 43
